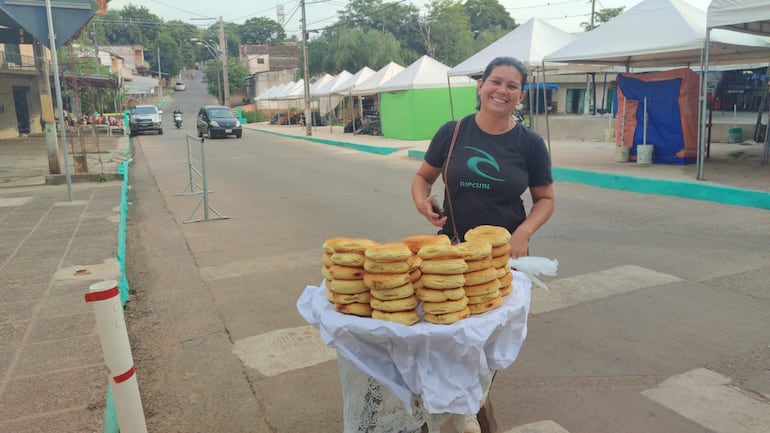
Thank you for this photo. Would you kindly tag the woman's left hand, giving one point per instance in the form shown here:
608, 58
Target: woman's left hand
519, 245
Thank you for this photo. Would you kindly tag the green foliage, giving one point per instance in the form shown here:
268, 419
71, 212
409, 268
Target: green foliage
213, 74
262, 31
255, 116
602, 16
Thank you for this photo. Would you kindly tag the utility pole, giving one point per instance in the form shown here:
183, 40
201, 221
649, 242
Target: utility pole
160, 77
593, 7
60, 103
305, 73
223, 49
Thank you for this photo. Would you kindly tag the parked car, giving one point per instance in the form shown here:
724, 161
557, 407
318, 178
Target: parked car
217, 121
145, 118
180, 86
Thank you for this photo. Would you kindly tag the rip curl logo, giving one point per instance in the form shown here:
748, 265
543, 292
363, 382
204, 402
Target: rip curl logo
475, 163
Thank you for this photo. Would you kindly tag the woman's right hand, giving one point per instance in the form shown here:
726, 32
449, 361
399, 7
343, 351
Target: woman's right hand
426, 207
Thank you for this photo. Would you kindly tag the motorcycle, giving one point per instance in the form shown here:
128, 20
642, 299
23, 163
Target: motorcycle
178, 120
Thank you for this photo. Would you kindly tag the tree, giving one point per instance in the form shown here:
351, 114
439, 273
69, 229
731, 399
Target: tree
236, 74
130, 26
450, 32
488, 14
602, 16
262, 31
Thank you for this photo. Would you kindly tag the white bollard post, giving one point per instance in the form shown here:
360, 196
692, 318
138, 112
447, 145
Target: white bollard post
113, 335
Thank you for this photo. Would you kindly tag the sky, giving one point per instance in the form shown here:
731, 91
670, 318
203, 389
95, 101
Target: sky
563, 14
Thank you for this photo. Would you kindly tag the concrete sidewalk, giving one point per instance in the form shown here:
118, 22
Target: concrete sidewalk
52, 372
730, 166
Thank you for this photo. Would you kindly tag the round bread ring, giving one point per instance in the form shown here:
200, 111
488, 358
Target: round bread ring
502, 250
395, 293
327, 259
434, 251
341, 244
341, 298
385, 281
475, 249
448, 318
390, 252
348, 287
482, 289
483, 298
393, 305
415, 275
329, 295
326, 272
439, 295
496, 235
506, 279
506, 290
503, 270
328, 243
414, 262
443, 266
500, 261
407, 318
356, 308
348, 259
486, 306
416, 242
480, 276
477, 265
417, 284
444, 307
386, 267
435, 281
340, 272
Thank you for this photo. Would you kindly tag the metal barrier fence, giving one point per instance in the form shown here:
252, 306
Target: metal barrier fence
196, 170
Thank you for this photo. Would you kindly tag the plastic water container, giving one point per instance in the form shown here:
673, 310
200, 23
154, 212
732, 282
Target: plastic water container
735, 135
644, 153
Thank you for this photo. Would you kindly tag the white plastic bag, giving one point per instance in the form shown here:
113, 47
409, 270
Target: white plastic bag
535, 266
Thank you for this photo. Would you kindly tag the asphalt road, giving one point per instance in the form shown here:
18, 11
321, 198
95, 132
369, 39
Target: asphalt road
657, 321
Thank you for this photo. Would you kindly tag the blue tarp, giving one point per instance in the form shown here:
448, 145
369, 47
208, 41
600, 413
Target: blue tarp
550, 86
664, 121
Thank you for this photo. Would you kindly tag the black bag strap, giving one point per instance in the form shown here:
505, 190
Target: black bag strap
455, 235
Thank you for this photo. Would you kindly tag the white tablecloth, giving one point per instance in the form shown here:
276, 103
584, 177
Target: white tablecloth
444, 365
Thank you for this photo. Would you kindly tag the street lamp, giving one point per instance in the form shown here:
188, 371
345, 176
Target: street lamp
215, 55
223, 54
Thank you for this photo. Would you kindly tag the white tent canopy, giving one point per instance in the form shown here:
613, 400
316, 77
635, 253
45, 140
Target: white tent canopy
530, 43
371, 85
424, 73
659, 33
345, 87
328, 88
325, 78
747, 16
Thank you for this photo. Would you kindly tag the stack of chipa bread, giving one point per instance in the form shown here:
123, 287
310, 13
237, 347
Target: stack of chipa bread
343, 271
442, 295
387, 269
489, 277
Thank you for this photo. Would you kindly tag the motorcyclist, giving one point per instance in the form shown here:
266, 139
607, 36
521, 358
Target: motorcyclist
177, 120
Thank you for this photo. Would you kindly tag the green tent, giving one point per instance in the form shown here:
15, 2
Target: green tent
416, 102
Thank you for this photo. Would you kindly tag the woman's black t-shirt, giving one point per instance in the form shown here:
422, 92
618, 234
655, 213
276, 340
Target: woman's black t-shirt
488, 173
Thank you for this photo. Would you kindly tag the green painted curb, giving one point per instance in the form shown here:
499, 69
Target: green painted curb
380, 150
682, 189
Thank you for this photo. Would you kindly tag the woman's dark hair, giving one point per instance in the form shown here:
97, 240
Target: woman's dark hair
503, 61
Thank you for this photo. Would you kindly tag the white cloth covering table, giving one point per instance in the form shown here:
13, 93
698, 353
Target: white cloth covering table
447, 368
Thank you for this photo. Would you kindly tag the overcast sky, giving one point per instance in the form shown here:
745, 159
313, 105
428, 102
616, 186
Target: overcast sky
564, 14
